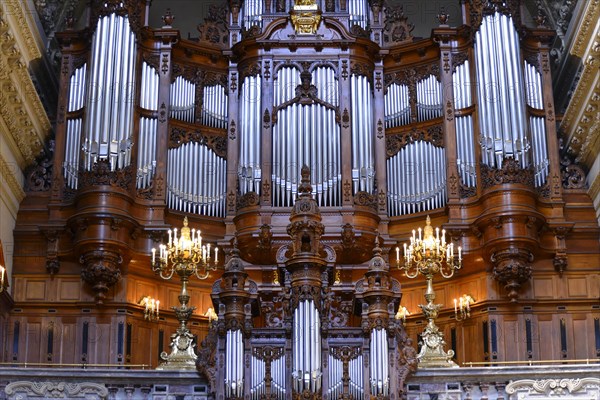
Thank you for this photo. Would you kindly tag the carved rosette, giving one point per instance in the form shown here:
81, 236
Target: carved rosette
512, 268
101, 270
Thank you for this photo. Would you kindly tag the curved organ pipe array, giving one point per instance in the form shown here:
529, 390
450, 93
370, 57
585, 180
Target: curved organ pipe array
73, 137
336, 371
234, 364
306, 134
257, 381
252, 11
214, 107
306, 371
196, 180
363, 163
379, 366
109, 107
429, 99
416, 179
465, 149
500, 92
397, 106
183, 100
147, 130
533, 85
359, 13
249, 172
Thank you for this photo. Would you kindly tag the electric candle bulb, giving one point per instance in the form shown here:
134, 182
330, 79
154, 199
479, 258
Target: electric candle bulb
398, 252
153, 255
216, 254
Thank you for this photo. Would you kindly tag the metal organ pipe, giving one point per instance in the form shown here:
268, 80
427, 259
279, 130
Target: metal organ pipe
234, 363
249, 172
363, 163
465, 147
109, 117
214, 110
359, 13
306, 134
397, 106
429, 98
196, 180
416, 179
147, 127
183, 100
77, 86
252, 11
306, 373
500, 92
533, 85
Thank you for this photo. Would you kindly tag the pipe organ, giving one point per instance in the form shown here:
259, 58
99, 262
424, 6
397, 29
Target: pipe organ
111, 88
77, 89
266, 121
501, 99
249, 170
297, 140
363, 171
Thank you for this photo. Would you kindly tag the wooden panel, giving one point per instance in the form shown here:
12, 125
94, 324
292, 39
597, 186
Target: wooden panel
32, 342
65, 343
577, 287
69, 290
580, 338
35, 290
143, 344
142, 289
543, 288
549, 346
512, 338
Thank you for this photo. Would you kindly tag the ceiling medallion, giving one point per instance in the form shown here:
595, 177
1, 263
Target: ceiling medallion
305, 17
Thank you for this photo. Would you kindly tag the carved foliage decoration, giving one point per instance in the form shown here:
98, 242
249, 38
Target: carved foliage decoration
396, 142
131, 8
511, 172
248, 200
207, 357
101, 175
56, 390
39, 175
214, 30
406, 357
366, 200
180, 136
482, 8
584, 388
397, 29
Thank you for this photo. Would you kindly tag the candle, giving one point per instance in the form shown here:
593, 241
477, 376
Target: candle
170, 238
419, 233
216, 254
459, 253
398, 253
157, 304
454, 306
153, 255
2, 274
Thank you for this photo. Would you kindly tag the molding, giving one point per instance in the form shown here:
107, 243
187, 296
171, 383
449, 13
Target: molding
22, 110
8, 176
576, 388
20, 25
584, 32
582, 118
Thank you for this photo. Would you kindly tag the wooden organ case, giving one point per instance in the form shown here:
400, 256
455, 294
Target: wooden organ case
308, 139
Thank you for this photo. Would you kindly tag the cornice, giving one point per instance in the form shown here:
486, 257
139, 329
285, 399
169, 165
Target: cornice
585, 30
7, 174
581, 122
22, 110
12, 11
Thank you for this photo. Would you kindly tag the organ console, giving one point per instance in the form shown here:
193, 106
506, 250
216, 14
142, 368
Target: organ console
283, 122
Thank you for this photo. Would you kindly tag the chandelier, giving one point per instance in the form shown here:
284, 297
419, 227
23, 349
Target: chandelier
429, 254
184, 255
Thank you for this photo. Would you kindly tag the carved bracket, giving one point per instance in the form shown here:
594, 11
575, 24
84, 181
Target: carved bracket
101, 270
512, 268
